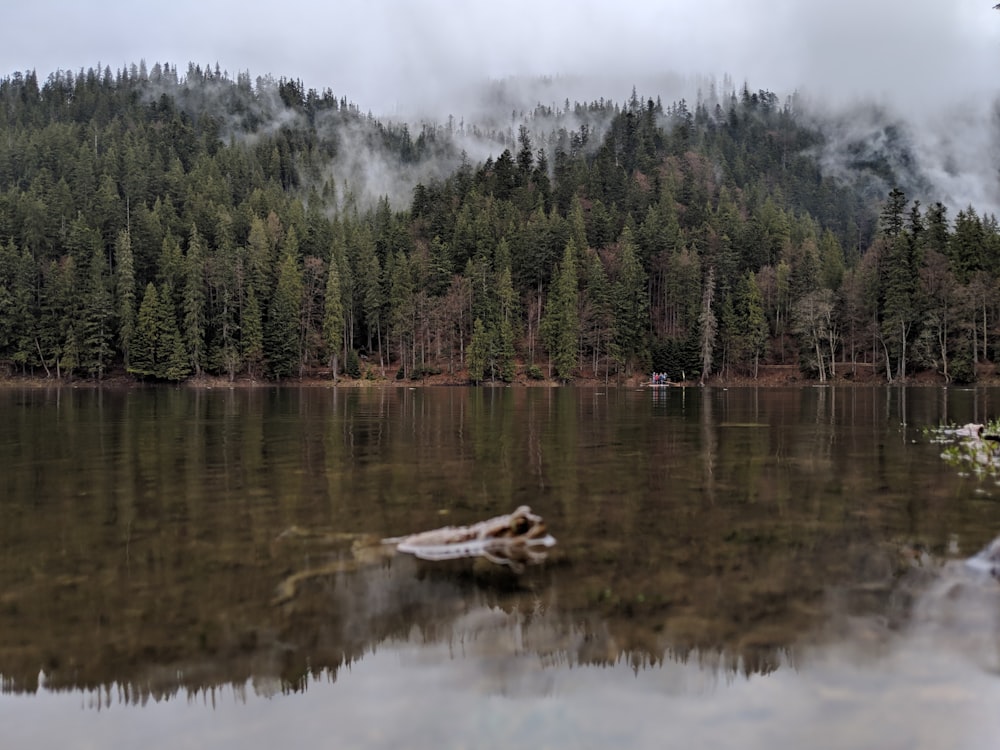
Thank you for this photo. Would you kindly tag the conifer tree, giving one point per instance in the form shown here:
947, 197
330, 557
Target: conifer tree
252, 334
831, 259
401, 308
142, 361
8, 265
194, 301
126, 293
753, 322
505, 325
561, 326
17, 321
333, 314
282, 348
58, 316
708, 324
97, 314
478, 352
631, 303
172, 361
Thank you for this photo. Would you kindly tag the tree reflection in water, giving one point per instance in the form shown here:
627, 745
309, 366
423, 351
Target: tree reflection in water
742, 532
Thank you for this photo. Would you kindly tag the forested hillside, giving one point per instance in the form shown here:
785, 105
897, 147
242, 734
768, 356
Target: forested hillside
177, 225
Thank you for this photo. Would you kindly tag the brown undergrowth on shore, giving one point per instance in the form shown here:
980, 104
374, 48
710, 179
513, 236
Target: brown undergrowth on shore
767, 377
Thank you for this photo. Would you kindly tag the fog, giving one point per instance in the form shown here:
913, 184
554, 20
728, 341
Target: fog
928, 65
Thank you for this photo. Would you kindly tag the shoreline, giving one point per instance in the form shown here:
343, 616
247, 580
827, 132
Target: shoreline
988, 378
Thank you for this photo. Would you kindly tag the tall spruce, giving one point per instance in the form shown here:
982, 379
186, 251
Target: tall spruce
282, 342
194, 301
125, 293
333, 314
708, 324
631, 304
562, 317
97, 314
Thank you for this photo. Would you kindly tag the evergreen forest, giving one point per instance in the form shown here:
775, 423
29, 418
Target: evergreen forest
171, 225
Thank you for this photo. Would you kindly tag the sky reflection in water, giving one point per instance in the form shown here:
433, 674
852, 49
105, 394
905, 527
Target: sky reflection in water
407, 694
696, 531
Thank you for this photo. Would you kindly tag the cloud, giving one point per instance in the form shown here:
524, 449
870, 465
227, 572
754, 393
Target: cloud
929, 63
389, 55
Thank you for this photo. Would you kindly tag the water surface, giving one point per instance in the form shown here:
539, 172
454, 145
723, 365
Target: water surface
735, 568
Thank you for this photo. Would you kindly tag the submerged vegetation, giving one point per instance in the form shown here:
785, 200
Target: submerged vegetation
178, 225
973, 448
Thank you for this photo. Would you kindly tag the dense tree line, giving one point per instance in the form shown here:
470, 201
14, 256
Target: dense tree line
179, 225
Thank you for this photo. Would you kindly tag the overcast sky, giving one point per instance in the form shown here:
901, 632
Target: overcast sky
386, 55
931, 63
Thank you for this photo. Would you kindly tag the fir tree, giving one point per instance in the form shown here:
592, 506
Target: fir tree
478, 352
282, 348
333, 314
97, 315
126, 293
194, 301
144, 344
631, 303
561, 327
172, 361
252, 334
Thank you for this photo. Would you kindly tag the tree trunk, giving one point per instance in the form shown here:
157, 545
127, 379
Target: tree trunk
985, 354
943, 343
888, 362
41, 358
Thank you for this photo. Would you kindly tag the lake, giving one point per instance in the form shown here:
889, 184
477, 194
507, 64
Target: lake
751, 568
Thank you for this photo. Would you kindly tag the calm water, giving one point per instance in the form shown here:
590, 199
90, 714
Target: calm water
735, 568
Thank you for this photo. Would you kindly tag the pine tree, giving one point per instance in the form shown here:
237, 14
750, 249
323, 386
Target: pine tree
753, 322
142, 361
478, 352
252, 334
333, 314
282, 348
401, 308
171, 358
8, 266
831, 259
59, 313
505, 325
194, 301
891, 218
631, 303
561, 325
17, 321
97, 314
126, 293
708, 324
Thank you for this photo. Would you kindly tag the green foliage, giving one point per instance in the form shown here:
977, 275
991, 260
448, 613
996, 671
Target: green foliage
158, 350
250, 352
125, 293
333, 314
96, 327
631, 303
693, 232
282, 330
679, 358
352, 364
478, 352
561, 327
423, 371
962, 371
194, 301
